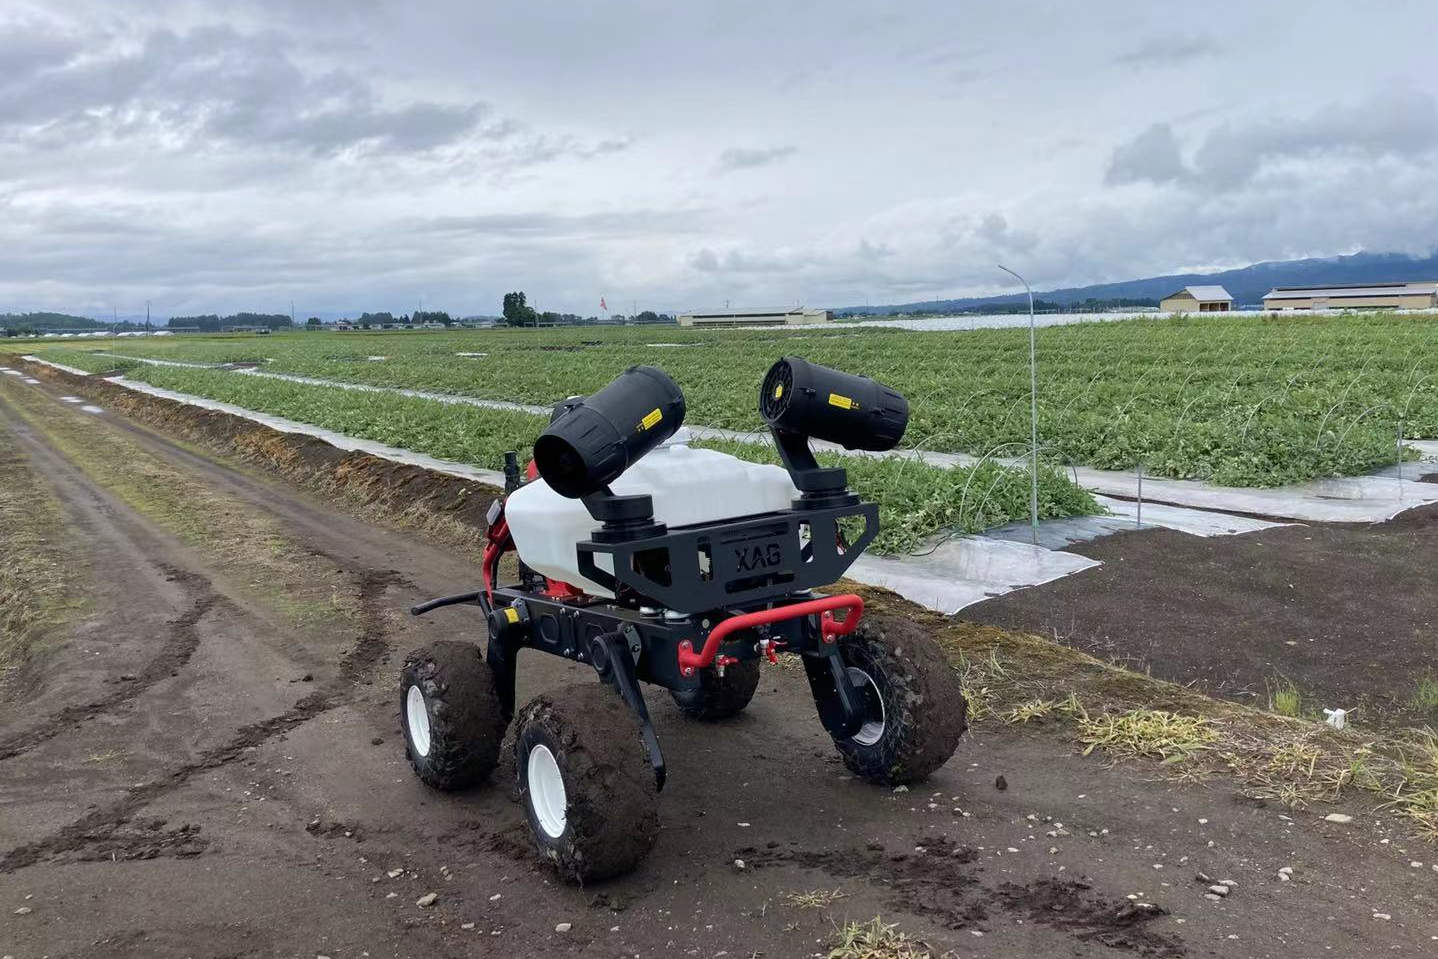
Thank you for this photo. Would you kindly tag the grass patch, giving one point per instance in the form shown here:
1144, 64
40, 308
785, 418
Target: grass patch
39, 570
1284, 698
1416, 796
1151, 733
877, 939
1425, 696
104, 758
251, 550
813, 899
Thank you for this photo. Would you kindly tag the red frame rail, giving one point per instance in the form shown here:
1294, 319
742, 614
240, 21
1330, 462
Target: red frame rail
829, 627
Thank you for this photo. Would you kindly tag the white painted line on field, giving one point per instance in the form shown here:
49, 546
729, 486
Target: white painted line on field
339, 440
13, 373
1196, 522
32, 381
1350, 499
91, 409
450, 398
1122, 517
967, 570
471, 354
71, 399
151, 361
58, 366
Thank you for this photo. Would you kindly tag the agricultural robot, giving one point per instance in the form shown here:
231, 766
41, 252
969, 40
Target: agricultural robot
655, 562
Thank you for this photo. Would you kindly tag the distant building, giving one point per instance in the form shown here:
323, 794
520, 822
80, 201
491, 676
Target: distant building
1368, 296
794, 317
1197, 299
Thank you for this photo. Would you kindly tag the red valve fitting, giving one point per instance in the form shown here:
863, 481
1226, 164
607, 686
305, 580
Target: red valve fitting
829, 627
769, 645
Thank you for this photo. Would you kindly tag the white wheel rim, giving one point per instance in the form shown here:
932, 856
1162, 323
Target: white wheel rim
873, 729
546, 791
417, 714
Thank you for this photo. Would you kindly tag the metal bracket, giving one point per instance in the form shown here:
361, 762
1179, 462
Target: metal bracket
841, 709
636, 646
609, 654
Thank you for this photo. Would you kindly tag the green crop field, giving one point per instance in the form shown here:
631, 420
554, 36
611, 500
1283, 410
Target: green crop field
1236, 400
915, 500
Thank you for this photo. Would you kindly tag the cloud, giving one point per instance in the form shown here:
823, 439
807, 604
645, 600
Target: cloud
215, 85
1400, 124
231, 154
1169, 50
536, 223
741, 158
28, 47
1151, 156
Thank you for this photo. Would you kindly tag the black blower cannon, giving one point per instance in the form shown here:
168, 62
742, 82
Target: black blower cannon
800, 400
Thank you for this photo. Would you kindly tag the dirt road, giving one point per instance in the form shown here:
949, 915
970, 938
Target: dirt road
207, 762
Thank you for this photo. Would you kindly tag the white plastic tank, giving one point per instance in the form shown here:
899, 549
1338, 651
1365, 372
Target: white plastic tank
688, 486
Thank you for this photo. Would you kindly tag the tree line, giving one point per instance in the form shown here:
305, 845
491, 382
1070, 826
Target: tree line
386, 318
19, 324
517, 312
212, 323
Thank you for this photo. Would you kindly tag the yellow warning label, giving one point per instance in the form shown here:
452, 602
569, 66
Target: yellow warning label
512, 614
652, 417
778, 390
842, 402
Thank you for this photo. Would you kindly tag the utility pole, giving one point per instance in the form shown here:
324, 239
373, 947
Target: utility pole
147, 314
292, 313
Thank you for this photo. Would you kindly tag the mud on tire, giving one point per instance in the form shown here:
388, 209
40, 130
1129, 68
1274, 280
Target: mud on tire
605, 817
719, 697
451, 714
913, 692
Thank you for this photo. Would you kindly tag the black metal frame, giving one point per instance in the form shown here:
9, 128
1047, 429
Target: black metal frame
715, 565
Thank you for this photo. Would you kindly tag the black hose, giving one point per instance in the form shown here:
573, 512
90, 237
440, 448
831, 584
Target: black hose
425, 607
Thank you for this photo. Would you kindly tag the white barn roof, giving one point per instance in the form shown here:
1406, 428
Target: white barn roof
1338, 292
1202, 293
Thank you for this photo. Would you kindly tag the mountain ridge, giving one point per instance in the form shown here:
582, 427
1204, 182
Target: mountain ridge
1246, 284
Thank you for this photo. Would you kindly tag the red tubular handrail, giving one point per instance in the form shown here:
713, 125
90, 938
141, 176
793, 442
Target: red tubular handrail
830, 627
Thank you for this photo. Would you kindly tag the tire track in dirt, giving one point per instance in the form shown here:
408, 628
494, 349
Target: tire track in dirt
938, 880
106, 826
181, 641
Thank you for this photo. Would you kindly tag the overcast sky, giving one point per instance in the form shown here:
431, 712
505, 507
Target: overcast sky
364, 154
